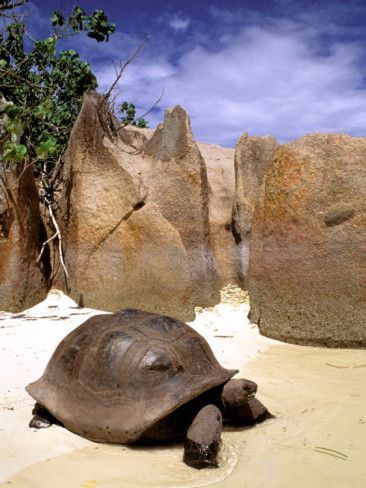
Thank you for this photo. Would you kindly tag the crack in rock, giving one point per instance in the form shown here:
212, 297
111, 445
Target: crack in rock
125, 217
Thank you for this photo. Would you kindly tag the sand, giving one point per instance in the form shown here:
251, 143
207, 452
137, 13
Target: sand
318, 438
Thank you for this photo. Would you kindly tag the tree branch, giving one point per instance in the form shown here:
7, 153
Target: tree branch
13, 68
44, 245
12, 5
123, 66
58, 235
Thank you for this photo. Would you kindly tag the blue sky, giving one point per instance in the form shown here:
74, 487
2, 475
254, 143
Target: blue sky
278, 67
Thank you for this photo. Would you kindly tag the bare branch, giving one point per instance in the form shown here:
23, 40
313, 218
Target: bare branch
12, 5
30, 37
123, 66
44, 245
58, 235
56, 170
115, 68
48, 198
154, 106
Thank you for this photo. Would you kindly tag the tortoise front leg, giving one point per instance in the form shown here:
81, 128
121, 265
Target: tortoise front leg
203, 438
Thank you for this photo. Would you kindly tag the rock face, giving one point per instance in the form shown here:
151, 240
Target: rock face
307, 279
177, 182
121, 248
219, 162
22, 280
253, 156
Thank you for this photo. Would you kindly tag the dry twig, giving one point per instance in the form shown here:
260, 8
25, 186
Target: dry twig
12, 5
122, 67
48, 199
58, 235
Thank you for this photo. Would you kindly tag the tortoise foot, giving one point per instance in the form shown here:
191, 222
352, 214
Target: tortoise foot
38, 422
203, 438
257, 412
250, 413
42, 418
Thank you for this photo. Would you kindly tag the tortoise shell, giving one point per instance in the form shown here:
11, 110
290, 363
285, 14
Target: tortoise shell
116, 375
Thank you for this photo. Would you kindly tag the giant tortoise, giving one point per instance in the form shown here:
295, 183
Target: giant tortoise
136, 376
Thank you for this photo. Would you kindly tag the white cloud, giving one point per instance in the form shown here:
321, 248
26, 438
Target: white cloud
179, 23
265, 78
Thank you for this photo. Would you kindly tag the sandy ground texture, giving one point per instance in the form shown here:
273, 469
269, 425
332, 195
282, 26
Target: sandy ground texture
318, 438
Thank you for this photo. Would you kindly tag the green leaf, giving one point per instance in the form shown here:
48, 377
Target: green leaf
99, 27
57, 18
14, 152
47, 147
42, 111
14, 127
142, 123
50, 44
77, 19
13, 111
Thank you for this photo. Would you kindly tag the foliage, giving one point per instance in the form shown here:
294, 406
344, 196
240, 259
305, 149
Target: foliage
97, 25
44, 84
128, 116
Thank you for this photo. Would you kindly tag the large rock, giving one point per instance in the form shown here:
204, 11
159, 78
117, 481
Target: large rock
308, 251
253, 156
177, 182
22, 279
219, 162
120, 250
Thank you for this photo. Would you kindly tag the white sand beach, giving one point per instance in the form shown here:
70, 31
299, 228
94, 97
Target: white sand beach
318, 438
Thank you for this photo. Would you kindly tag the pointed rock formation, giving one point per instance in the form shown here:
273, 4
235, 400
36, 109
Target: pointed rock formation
177, 183
22, 280
120, 250
219, 163
307, 279
253, 156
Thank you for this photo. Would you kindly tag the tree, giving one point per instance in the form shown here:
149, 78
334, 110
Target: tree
42, 86
41, 91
